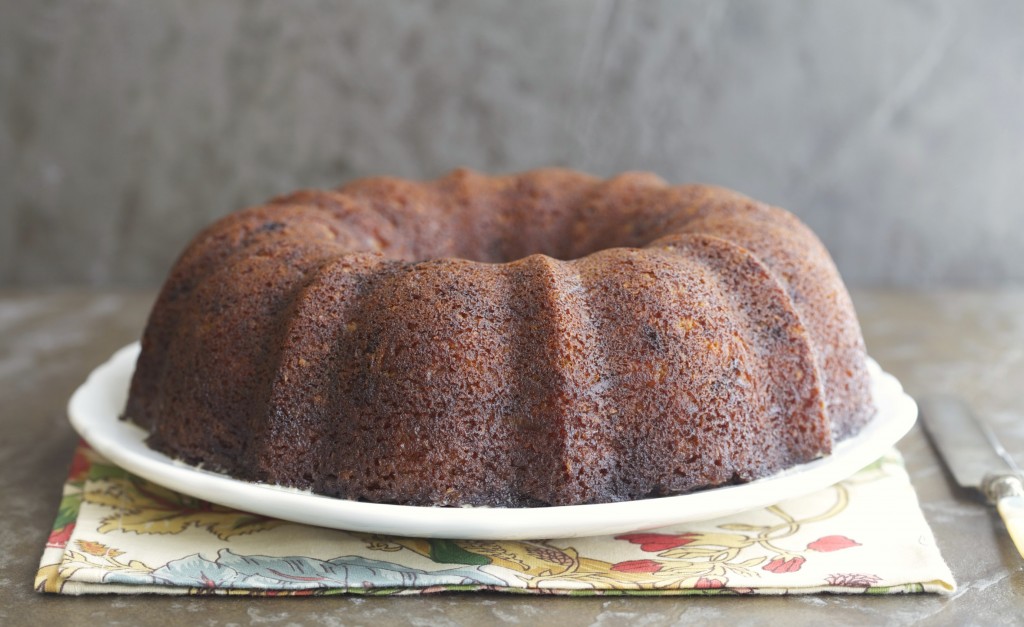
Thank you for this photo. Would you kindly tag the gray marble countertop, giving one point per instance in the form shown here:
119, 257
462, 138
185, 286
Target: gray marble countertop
970, 343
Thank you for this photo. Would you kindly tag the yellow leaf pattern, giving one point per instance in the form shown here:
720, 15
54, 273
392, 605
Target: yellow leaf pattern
146, 508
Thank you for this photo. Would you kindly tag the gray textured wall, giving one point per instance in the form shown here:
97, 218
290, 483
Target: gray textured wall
895, 129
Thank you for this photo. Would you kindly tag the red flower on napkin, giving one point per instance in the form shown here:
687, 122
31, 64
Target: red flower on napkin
637, 566
657, 542
79, 465
59, 537
828, 544
704, 583
780, 565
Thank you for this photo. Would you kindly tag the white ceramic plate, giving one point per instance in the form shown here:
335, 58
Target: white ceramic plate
95, 406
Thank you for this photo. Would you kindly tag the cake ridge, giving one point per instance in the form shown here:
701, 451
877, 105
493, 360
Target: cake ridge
313, 333
753, 271
570, 401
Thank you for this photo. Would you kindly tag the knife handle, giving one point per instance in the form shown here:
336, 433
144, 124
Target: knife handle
1008, 493
1011, 508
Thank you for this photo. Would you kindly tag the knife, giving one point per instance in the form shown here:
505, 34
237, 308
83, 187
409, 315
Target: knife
976, 459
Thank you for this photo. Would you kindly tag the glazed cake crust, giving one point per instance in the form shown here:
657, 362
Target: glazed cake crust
546, 338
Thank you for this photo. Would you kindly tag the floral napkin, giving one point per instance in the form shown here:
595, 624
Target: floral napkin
118, 533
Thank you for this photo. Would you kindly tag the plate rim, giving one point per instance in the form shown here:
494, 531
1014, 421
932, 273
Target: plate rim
123, 444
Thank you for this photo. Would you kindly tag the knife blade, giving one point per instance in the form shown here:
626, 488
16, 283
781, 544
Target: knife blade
976, 459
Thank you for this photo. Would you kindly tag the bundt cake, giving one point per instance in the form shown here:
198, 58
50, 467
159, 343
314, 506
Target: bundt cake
545, 338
